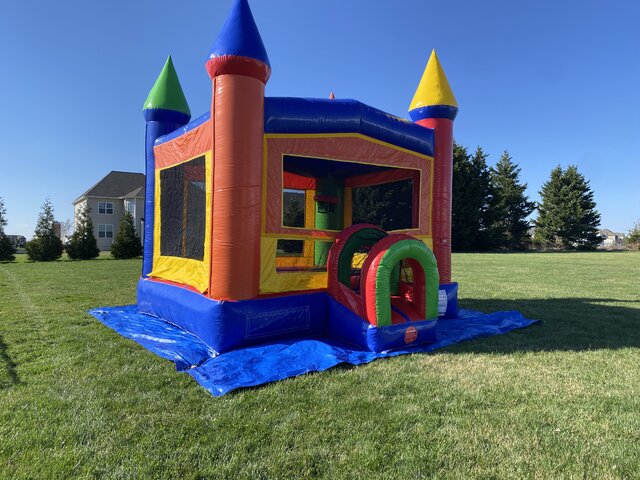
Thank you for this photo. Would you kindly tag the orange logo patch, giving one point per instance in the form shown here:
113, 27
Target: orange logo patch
410, 335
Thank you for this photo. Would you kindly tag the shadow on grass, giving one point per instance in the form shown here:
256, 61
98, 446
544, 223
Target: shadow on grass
569, 324
10, 366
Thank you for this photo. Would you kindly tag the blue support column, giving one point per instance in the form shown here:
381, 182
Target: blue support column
165, 110
155, 129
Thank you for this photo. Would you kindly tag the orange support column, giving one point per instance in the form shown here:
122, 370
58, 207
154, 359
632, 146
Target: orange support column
239, 68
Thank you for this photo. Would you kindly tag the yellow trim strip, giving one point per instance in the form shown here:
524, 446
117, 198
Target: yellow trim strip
309, 221
426, 239
294, 236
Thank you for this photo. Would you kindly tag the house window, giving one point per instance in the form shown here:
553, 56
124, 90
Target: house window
130, 206
105, 230
105, 208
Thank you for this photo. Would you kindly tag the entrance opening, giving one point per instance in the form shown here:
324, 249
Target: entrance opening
402, 286
354, 254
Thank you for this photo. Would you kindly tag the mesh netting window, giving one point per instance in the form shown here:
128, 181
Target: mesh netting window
300, 255
293, 208
389, 205
183, 210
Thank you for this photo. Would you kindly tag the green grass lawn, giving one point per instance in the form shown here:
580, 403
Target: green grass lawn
559, 399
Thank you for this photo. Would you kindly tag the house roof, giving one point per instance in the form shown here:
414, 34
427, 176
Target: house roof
138, 192
609, 233
117, 185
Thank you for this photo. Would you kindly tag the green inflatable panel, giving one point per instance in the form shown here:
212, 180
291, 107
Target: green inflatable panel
406, 249
328, 218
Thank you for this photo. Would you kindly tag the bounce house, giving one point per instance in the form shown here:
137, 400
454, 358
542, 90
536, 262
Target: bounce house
250, 234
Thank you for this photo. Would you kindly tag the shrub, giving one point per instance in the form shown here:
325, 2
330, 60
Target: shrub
83, 245
127, 243
7, 249
45, 246
633, 238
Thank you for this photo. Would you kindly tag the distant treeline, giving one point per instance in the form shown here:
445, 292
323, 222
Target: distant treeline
491, 209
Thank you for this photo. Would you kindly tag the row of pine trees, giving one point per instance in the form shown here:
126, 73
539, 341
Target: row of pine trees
47, 246
491, 210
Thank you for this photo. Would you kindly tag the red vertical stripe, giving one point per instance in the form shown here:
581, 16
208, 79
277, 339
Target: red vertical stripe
442, 187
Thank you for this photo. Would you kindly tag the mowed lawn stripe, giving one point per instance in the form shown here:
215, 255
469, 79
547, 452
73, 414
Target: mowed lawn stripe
558, 399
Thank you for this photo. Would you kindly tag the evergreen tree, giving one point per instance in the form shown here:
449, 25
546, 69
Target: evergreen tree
293, 215
127, 243
3, 216
633, 238
488, 238
550, 219
45, 246
83, 245
7, 250
567, 216
464, 218
511, 206
472, 215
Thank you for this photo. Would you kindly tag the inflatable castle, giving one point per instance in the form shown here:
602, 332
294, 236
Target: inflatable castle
224, 258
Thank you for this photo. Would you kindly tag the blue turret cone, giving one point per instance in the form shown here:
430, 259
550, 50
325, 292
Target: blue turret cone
239, 36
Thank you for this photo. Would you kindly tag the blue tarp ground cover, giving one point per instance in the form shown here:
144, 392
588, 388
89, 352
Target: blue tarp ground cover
261, 364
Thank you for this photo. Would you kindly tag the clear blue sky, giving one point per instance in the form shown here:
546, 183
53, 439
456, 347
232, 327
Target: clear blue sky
552, 82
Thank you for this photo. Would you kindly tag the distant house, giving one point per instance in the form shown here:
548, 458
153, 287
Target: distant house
57, 229
108, 199
17, 240
611, 239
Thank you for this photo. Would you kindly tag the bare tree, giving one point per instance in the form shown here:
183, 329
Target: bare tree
66, 229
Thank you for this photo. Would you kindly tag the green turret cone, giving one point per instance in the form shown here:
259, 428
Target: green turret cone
167, 93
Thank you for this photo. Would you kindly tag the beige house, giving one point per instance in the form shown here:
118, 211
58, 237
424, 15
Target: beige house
611, 239
108, 200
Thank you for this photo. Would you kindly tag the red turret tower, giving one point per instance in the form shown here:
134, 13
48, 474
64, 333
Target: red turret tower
434, 106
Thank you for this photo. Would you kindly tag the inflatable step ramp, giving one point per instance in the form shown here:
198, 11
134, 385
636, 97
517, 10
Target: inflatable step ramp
396, 288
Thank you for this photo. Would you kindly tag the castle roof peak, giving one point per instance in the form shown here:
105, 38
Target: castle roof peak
239, 36
167, 93
434, 88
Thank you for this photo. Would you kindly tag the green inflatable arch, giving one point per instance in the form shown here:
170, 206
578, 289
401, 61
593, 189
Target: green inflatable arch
426, 279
